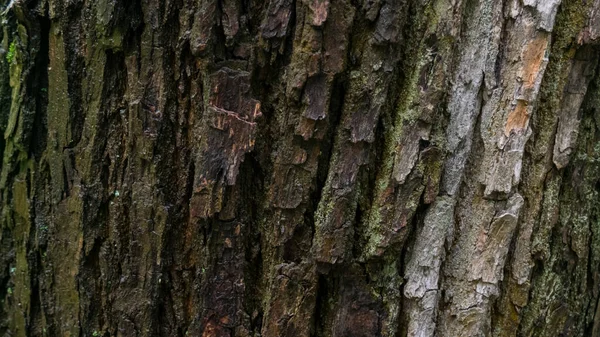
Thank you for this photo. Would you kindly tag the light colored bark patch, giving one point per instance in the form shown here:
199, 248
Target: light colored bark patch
533, 56
517, 119
319, 10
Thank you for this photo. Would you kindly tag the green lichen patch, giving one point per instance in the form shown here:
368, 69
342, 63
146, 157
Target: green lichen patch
10, 54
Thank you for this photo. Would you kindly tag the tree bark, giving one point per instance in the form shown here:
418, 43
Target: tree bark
300, 168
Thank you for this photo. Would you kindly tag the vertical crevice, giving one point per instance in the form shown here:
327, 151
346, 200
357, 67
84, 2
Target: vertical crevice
322, 307
40, 91
336, 104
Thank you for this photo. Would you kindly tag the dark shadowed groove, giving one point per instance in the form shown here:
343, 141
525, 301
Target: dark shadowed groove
36, 322
322, 306
75, 69
39, 86
252, 182
338, 93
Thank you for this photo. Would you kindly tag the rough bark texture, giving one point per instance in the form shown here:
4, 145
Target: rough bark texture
300, 168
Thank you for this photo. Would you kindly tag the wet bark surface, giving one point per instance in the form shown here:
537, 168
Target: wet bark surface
300, 168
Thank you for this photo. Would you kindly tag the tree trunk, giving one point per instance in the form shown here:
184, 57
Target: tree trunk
300, 168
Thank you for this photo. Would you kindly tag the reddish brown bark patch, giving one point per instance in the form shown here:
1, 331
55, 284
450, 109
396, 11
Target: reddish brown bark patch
517, 119
532, 59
